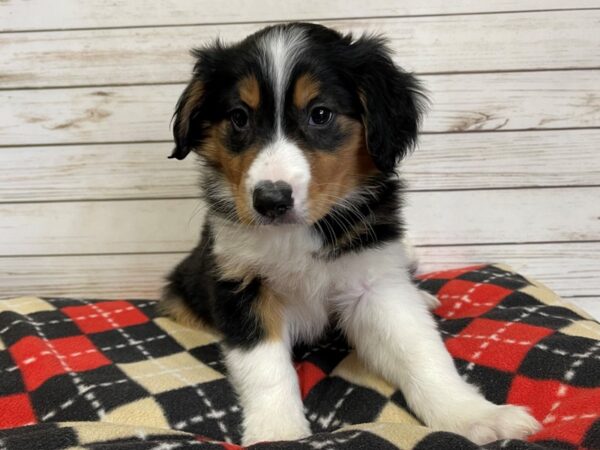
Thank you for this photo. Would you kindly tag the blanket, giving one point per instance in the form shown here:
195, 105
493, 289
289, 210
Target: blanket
94, 374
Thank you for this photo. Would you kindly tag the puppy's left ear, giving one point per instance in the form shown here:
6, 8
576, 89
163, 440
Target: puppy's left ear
393, 102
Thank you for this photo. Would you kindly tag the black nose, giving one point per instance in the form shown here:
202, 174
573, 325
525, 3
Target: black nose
272, 199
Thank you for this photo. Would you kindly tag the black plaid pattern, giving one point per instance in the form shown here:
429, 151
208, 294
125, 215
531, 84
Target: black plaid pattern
64, 360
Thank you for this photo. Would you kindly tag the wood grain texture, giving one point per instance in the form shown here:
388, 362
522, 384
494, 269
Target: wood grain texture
589, 304
496, 101
511, 101
97, 276
442, 161
569, 269
104, 171
524, 41
504, 160
434, 218
492, 65
66, 14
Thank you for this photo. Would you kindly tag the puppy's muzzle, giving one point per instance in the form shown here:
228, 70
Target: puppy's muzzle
272, 200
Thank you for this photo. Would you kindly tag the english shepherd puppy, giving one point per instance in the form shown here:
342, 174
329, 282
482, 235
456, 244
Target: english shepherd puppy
299, 129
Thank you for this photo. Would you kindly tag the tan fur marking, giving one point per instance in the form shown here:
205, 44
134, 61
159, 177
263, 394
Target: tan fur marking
305, 90
336, 174
229, 269
249, 91
269, 309
175, 308
233, 166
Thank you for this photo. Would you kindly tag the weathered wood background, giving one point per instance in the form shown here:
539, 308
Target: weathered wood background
508, 167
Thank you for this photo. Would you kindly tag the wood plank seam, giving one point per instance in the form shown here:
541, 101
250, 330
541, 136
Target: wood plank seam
308, 19
417, 246
417, 73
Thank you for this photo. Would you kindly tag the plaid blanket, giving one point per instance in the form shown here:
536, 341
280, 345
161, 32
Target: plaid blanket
92, 374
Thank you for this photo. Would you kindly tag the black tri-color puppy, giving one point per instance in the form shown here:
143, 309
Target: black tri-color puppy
299, 129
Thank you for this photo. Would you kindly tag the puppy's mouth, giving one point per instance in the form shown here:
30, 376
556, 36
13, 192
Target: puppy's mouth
291, 217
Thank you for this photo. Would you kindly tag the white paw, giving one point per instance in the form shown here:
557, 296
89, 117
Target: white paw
431, 301
275, 428
488, 422
503, 422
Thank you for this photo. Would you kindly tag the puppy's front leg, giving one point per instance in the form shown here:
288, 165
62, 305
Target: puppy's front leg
267, 385
396, 336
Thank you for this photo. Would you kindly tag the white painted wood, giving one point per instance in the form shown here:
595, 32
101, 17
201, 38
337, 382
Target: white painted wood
131, 113
445, 38
588, 304
515, 216
510, 101
99, 227
442, 161
509, 159
104, 171
95, 276
569, 269
65, 14
507, 101
434, 218
158, 55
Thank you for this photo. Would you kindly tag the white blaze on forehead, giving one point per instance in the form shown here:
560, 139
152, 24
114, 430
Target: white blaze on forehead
282, 160
281, 49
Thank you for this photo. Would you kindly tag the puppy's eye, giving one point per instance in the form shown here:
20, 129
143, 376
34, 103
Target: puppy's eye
320, 116
239, 118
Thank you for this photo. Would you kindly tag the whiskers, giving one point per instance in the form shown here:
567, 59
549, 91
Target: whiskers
351, 214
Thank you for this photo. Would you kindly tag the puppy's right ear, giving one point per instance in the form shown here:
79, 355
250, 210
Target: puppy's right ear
192, 116
188, 127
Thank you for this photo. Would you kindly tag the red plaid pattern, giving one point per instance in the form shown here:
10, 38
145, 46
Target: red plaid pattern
104, 316
467, 299
511, 348
309, 376
17, 411
499, 345
40, 359
78, 360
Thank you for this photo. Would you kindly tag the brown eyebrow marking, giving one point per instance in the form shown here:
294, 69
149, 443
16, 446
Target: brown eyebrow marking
305, 90
249, 91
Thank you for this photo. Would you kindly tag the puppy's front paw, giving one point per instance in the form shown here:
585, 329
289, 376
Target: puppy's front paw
489, 422
275, 428
502, 422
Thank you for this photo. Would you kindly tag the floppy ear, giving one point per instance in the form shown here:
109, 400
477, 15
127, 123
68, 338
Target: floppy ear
392, 100
188, 130
192, 115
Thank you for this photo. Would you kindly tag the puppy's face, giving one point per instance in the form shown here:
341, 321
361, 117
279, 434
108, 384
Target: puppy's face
294, 120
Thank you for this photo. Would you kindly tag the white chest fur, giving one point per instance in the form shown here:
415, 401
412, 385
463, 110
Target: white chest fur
284, 256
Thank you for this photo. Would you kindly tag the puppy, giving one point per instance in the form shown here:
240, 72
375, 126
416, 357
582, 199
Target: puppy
299, 129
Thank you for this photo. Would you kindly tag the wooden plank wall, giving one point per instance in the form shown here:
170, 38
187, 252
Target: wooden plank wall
508, 167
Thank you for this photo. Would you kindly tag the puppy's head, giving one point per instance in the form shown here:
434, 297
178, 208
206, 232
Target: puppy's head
293, 120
